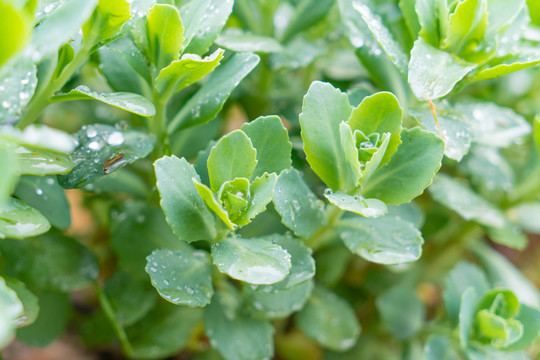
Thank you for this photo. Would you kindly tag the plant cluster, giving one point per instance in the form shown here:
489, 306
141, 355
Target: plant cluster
170, 213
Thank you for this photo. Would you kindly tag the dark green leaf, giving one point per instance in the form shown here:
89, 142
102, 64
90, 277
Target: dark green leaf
402, 311
181, 277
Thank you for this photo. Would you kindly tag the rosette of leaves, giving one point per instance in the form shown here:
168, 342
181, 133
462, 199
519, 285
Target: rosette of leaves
490, 320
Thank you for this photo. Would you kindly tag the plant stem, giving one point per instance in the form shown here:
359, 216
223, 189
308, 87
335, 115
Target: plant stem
42, 99
109, 313
324, 232
158, 126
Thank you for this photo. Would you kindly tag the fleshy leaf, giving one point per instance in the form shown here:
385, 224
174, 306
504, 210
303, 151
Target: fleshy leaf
47, 196
225, 332
10, 309
186, 71
379, 113
103, 149
238, 41
433, 73
18, 83
184, 209
329, 320
192, 14
384, 240
106, 21
131, 102
271, 140
165, 34
324, 108
232, 157
370, 208
213, 203
255, 261
409, 171
8, 162
208, 101
15, 31
262, 189
181, 277
19, 221
300, 210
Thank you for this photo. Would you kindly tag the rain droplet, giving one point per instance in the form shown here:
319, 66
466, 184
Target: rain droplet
39, 191
115, 138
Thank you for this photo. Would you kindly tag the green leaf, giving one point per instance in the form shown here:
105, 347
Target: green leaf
239, 41
307, 14
302, 264
409, 171
530, 318
48, 197
467, 27
15, 30
494, 125
467, 310
28, 300
165, 35
433, 73
52, 261
402, 311
192, 14
504, 274
184, 209
324, 108
454, 126
299, 208
276, 304
210, 26
262, 190
226, 332
213, 203
181, 277
329, 320
384, 240
370, 208
130, 298
471, 206
439, 347
490, 172
51, 321
427, 11
19, 221
186, 71
232, 157
129, 52
526, 216
18, 83
271, 140
255, 261
208, 101
378, 114
505, 65
122, 181
131, 102
102, 149
106, 21
60, 26
10, 309
136, 230
502, 12
163, 332
408, 10
410, 212
383, 36
9, 164
463, 276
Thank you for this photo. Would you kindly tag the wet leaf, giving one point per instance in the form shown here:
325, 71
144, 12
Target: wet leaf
19, 221
370, 208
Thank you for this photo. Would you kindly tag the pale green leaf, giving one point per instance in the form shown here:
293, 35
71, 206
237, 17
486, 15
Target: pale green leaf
232, 157
370, 208
324, 108
307, 14
18, 82
255, 261
131, 102
409, 171
10, 309
300, 210
239, 41
165, 35
261, 189
192, 14
433, 73
9, 164
15, 30
184, 209
19, 221
271, 140
213, 203
439, 347
106, 20
384, 240
186, 71
402, 311
28, 300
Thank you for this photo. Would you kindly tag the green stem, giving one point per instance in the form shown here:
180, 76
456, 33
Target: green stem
42, 99
109, 313
526, 190
322, 234
158, 126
